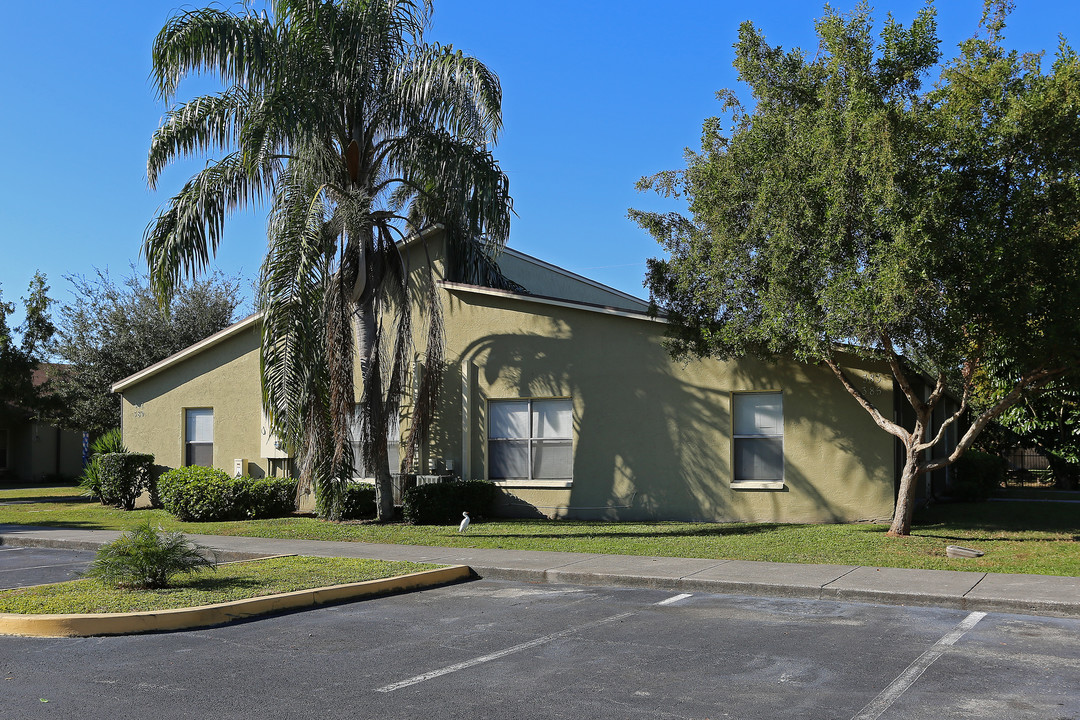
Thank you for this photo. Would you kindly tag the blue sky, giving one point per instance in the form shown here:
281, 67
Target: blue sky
596, 95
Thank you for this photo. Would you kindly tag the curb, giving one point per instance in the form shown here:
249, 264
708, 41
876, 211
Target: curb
87, 625
1044, 608
222, 556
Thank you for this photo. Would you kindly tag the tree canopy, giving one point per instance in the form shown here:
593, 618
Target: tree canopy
359, 133
852, 209
112, 330
21, 356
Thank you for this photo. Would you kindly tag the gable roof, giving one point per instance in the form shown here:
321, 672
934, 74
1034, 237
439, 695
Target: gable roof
207, 342
638, 308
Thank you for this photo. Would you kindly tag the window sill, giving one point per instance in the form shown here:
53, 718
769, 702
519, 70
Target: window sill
533, 483
757, 485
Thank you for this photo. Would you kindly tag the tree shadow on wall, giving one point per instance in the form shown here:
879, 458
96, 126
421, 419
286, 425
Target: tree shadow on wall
644, 441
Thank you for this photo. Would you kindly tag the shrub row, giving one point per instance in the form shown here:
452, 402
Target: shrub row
441, 503
202, 494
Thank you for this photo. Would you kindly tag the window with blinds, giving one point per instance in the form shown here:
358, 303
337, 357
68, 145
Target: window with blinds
759, 438
530, 439
199, 437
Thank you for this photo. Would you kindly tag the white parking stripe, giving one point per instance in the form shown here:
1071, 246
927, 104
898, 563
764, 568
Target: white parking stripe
496, 655
674, 599
43, 567
907, 678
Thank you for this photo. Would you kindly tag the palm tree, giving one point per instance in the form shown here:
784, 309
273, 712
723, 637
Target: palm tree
358, 133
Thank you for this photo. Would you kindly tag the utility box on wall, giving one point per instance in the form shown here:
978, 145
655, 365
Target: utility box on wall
239, 467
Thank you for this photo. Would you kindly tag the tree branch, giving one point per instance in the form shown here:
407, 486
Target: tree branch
882, 422
1036, 380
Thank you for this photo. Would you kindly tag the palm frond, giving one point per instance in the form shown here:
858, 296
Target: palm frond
240, 49
187, 233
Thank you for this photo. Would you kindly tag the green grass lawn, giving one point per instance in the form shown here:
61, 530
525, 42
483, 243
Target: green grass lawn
233, 581
1018, 537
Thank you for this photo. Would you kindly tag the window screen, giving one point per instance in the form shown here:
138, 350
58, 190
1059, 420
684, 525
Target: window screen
199, 437
530, 439
759, 437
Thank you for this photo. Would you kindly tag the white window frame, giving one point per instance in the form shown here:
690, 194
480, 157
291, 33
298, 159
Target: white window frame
751, 484
188, 442
531, 440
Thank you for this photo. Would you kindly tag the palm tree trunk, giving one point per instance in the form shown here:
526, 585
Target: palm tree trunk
372, 397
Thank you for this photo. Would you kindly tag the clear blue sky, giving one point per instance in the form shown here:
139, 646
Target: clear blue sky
596, 95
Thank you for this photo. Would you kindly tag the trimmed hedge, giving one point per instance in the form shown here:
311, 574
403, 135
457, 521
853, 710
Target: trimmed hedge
441, 503
203, 494
358, 501
123, 476
978, 475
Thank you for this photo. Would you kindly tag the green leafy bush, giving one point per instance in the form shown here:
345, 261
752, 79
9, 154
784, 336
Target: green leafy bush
123, 477
441, 503
978, 475
358, 501
266, 497
200, 494
90, 482
146, 558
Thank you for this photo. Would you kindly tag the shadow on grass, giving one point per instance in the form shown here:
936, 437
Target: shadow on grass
610, 530
31, 499
963, 518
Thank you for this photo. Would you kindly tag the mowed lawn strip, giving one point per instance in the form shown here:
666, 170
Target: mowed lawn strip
1018, 537
232, 581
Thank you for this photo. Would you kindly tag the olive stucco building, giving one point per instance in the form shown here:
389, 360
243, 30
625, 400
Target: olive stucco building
566, 398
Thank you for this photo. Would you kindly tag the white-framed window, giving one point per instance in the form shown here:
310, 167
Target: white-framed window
199, 436
393, 445
758, 423
531, 439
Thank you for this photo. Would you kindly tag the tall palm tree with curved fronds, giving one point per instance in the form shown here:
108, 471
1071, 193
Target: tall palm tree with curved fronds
357, 133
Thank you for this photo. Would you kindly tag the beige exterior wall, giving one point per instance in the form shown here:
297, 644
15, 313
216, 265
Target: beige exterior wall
224, 377
652, 436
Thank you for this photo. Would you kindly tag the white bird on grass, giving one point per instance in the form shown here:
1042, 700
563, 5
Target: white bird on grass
464, 523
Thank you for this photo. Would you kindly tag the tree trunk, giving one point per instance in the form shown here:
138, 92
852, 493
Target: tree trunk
905, 499
372, 396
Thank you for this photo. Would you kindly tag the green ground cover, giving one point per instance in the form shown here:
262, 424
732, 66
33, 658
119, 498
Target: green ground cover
1018, 537
232, 581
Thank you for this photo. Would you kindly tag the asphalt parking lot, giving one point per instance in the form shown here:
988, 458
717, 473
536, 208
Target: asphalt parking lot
22, 566
493, 649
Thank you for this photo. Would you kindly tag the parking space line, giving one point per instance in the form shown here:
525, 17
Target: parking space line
6, 549
43, 567
889, 695
496, 655
674, 599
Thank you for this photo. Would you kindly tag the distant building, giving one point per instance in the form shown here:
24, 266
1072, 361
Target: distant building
32, 451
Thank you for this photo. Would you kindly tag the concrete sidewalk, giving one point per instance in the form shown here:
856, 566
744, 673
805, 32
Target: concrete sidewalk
996, 592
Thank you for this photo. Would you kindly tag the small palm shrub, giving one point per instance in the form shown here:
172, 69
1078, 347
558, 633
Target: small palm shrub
145, 558
90, 482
